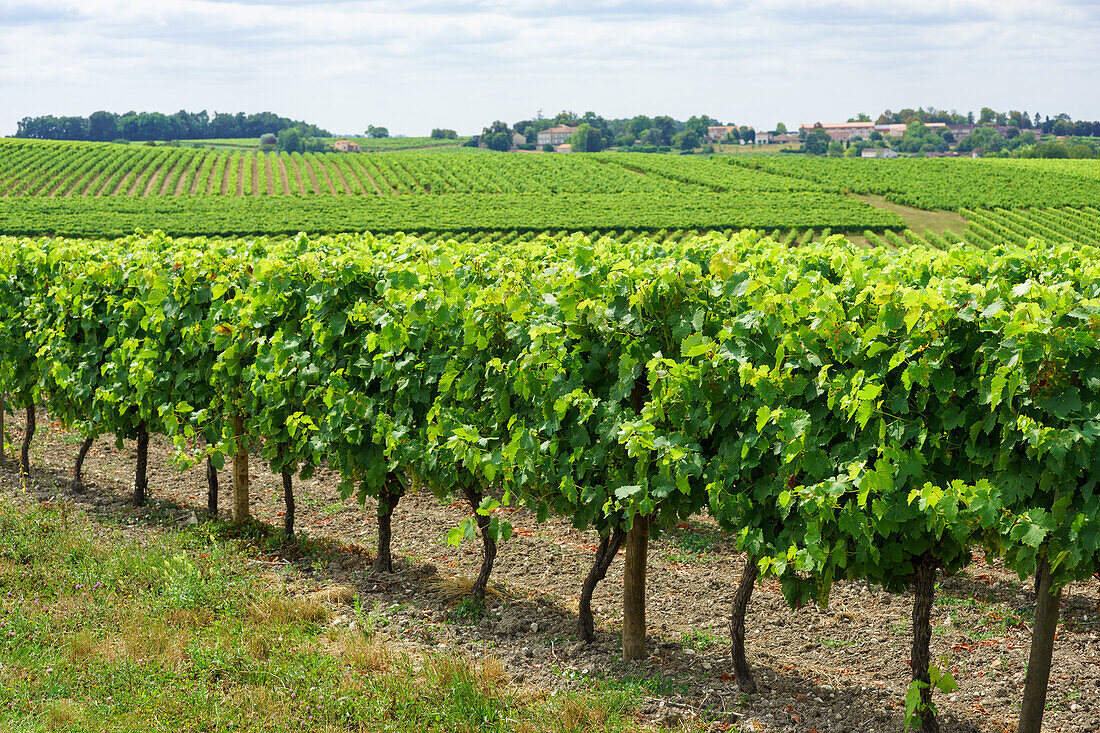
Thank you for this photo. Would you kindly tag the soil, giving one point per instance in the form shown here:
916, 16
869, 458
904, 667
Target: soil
843, 668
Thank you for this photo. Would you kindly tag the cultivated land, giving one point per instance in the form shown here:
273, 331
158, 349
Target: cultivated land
881, 414
102, 189
837, 669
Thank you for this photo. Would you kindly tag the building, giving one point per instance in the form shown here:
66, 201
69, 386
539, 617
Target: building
784, 138
518, 140
564, 148
842, 131
878, 153
346, 146
556, 135
718, 133
762, 138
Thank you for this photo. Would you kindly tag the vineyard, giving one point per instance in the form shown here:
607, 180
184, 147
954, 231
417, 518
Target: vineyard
952, 184
842, 413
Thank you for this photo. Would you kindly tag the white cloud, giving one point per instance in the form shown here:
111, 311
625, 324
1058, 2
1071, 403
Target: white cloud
423, 63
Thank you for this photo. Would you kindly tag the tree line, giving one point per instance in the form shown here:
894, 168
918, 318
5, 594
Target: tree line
104, 126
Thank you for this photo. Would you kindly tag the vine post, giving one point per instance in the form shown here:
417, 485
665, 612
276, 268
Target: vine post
240, 470
634, 570
3, 435
1047, 606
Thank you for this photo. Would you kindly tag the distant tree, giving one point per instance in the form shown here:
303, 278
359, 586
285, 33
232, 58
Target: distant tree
652, 136
1061, 128
290, 140
625, 140
780, 128
861, 117
836, 149
443, 134
667, 127
500, 141
687, 140
547, 148
102, 126
816, 141
373, 131
699, 124
268, 138
639, 124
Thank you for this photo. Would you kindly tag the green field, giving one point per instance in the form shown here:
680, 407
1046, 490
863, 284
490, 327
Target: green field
105, 189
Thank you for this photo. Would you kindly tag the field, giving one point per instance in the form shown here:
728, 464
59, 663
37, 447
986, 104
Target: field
107, 190
649, 353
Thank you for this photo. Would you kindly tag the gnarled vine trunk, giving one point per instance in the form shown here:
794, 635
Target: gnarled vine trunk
288, 500
141, 479
388, 498
211, 487
741, 598
28, 436
240, 470
1047, 607
920, 659
488, 545
605, 555
77, 485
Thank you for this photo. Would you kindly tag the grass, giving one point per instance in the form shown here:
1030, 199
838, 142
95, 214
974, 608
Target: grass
121, 628
919, 220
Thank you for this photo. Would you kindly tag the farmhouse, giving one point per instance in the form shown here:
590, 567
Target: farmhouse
878, 153
345, 146
842, 131
518, 140
556, 135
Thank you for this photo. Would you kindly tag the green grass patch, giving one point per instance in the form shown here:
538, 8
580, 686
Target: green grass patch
114, 627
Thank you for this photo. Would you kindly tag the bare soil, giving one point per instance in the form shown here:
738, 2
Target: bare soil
844, 668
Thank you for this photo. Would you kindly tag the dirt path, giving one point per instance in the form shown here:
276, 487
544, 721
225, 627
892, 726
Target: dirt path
240, 173
283, 176
312, 176
844, 668
362, 172
187, 177
343, 180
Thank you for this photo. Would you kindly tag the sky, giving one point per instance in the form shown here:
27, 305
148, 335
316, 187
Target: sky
414, 65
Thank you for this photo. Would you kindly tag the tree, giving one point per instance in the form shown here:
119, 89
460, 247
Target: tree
780, 128
836, 149
653, 136
290, 140
667, 127
500, 141
816, 142
373, 131
444, 134
639, 124
861, 117
102, 126
686, 140
699, 124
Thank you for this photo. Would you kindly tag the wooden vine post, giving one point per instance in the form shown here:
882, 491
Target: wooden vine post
240, 470
637, 551
3, 408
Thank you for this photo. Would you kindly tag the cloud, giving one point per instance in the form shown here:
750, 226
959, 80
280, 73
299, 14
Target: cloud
467, 62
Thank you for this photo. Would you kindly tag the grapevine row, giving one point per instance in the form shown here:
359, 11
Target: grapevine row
844, 413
